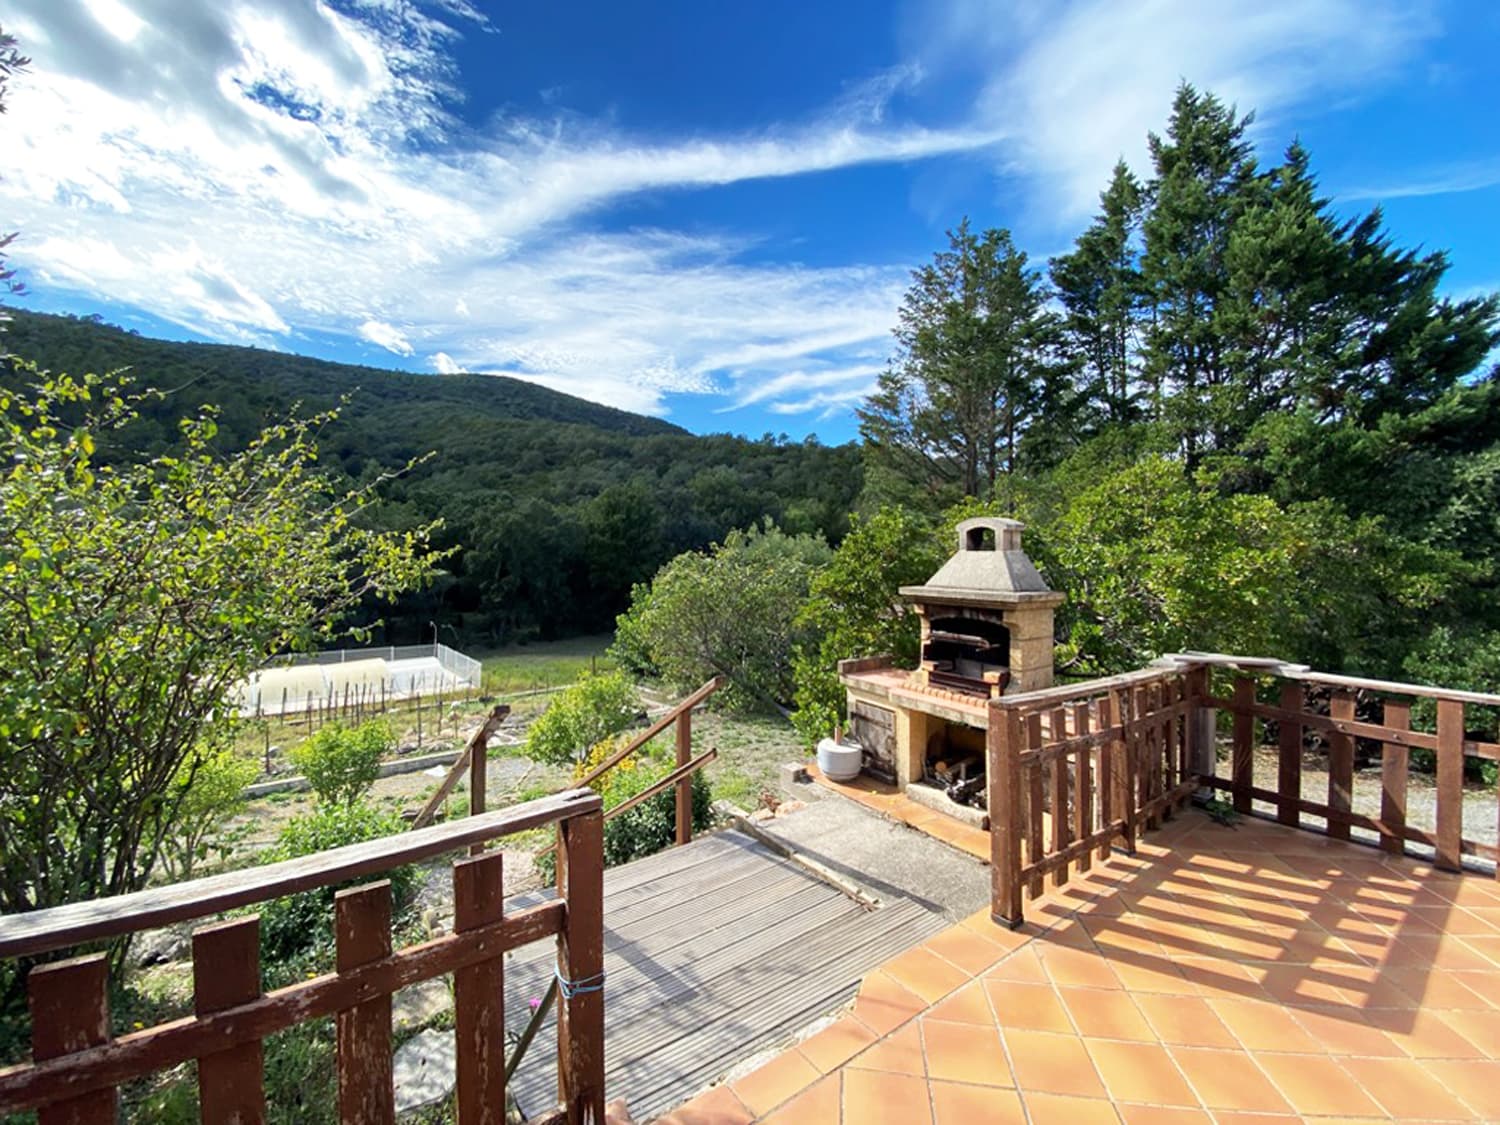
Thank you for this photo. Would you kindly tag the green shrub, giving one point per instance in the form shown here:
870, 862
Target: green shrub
208, 792
581, 716
293, 924
341, 763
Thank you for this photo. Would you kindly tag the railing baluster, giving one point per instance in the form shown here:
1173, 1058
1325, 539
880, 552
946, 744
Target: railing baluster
1124, 766
1340, 767
362, 928
1034, 797
580, 963
1107, 807
685, 786
1062, 828
479, 994
1450, 784
1083, 789
70, 1011
1394, 763
226, 972
1243, 774
1289, 757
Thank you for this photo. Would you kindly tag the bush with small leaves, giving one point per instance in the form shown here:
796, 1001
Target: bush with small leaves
341, 763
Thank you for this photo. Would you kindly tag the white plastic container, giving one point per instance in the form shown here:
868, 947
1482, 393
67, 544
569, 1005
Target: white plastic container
837, 762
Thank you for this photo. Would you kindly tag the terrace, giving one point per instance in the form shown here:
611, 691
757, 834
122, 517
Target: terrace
1334, 952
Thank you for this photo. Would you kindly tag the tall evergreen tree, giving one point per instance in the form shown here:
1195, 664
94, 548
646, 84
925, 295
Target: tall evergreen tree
975, 369
1099, 285
1205, 178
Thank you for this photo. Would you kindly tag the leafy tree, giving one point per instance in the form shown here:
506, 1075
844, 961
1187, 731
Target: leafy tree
975, 371
580, 717
731, 612
341, 762
853, 610
131, 600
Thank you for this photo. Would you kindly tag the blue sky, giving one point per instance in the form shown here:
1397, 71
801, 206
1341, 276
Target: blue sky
705, 211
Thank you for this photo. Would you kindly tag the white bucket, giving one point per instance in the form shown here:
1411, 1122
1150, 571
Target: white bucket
838, 763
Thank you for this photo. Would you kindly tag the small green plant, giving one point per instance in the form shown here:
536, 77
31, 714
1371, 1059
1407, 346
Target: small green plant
341, 763
208, 793
580, 717
293, 924
1221, 811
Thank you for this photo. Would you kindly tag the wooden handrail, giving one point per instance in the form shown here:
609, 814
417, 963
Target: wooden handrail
1301, 672
651, 732
157, 1048
478, 742
656, 787
62, 926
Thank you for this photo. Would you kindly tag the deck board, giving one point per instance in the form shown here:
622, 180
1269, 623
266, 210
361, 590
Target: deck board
713, 952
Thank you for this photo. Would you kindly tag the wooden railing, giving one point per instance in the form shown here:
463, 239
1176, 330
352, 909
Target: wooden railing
1347, 713
77, 1066
1074, 769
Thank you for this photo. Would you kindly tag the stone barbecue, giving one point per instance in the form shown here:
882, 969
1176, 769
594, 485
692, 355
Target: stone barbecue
986, 631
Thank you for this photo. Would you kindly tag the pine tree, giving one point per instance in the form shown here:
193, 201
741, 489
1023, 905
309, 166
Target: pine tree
975, 368
1099, 284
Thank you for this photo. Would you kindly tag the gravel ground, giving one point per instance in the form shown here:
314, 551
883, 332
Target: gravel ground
1480, 818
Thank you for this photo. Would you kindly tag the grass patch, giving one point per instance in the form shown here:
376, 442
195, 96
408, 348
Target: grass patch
543, 664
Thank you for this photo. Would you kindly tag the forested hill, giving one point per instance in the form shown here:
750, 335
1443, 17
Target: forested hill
558, 505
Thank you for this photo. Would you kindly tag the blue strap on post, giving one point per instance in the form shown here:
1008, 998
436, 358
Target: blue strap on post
572, 988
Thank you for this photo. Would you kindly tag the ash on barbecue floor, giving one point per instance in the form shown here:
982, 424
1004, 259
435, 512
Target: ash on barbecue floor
882, 857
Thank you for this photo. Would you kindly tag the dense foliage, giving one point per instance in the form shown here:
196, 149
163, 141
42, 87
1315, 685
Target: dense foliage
730, 611
556, 506
131, 599
1257, 426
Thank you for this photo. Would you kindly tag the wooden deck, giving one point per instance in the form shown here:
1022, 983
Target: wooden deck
715, 951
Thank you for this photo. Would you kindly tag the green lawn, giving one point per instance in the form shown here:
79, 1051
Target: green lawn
543, 664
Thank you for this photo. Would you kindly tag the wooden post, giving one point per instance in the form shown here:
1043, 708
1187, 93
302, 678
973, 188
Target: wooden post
1202, 726
1450, 784
1062, 825
1035, 797
1289, 757
362, 927
1243, 774
1004, 782
580, 964
1107, 811
1123, 707
226, 972
70, 1011
1083, 788
419, 720
1340, 766
479, 994
685, 785
1394, 760
479, 762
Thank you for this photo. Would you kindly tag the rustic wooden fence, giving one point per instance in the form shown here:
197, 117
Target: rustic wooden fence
1328, 718
1073, 770
77, 1066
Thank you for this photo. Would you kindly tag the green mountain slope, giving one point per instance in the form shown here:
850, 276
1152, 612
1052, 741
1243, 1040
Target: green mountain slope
557, 505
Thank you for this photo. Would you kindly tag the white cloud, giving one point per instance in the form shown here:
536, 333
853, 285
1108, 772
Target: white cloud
387, 336
1078, 85
256, 168
1452, 180
445, 364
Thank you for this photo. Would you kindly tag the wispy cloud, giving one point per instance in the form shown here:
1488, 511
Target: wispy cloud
1451, 180
1077, 85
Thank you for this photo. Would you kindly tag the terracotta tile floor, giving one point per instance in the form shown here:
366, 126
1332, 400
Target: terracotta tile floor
1235, 975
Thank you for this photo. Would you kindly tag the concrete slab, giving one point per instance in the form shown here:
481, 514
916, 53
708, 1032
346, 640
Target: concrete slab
883, 858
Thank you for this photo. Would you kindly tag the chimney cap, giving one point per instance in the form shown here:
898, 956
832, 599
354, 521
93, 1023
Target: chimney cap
989, 568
